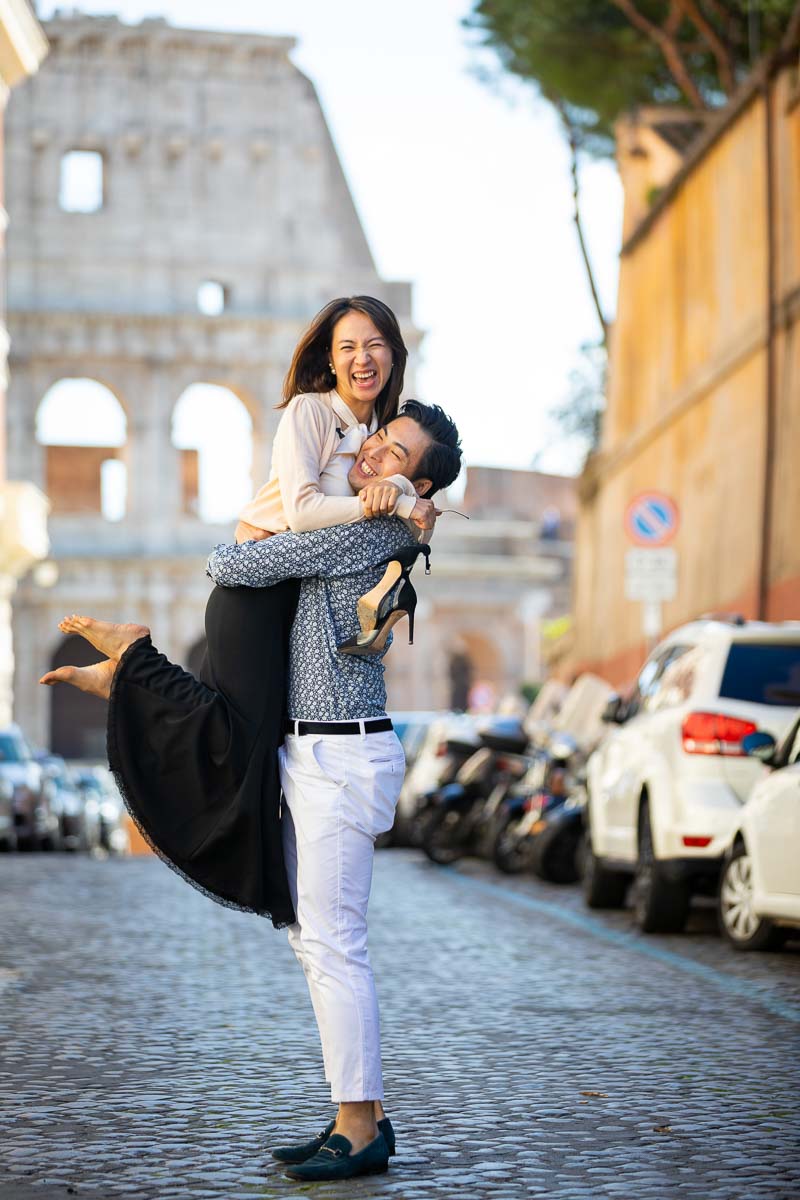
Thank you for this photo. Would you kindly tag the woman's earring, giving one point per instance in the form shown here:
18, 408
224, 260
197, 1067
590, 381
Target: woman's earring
332, 368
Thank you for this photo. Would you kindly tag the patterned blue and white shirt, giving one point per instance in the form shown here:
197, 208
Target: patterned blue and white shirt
336, 566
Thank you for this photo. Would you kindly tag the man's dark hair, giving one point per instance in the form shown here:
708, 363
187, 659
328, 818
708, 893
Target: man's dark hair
441, 461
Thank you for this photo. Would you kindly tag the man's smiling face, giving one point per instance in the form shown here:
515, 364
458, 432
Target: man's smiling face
395, 449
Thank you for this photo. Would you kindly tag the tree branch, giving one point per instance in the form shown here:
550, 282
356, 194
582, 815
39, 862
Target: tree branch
572, 140
726, 18
718, 47
669, 48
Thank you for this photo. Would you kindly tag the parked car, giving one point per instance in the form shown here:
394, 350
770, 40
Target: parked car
759, 888
101, 796
79, 822
35, 825
8, 832
666, 786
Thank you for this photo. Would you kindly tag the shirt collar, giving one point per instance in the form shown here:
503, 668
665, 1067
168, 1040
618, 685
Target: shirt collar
347, 416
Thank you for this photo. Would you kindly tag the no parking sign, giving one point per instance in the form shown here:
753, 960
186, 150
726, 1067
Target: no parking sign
652, 519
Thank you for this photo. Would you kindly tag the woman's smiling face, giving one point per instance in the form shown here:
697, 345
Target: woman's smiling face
362, 359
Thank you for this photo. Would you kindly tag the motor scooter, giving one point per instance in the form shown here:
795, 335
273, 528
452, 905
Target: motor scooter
463, 815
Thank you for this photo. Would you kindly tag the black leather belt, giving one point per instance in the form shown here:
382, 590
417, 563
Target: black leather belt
369, 725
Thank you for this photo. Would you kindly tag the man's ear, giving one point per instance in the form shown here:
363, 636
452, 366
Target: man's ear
422, 486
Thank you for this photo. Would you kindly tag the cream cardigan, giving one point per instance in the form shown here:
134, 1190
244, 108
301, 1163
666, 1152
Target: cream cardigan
307, 486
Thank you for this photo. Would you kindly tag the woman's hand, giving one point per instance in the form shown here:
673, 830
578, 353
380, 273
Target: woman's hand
250, 533
379, 499
424, 514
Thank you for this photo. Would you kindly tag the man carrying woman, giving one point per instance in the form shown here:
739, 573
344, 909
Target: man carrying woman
197, 761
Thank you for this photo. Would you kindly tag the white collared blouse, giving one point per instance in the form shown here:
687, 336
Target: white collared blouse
317, 443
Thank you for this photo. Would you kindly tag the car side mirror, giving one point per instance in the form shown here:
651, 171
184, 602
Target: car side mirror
760, 745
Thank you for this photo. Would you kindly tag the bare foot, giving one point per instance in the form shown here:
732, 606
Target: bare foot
106, 637
95, 679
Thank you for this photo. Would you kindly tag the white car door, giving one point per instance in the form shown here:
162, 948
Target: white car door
773, 837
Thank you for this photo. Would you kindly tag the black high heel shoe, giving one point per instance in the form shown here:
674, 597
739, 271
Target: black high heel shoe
388, 602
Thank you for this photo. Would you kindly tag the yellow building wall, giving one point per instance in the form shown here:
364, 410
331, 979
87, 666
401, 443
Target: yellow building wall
784, 550
687, 401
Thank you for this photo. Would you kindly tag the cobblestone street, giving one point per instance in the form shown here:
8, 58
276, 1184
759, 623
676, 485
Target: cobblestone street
156, 1045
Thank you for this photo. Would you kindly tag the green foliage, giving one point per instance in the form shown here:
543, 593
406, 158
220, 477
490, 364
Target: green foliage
580, 415
587, 54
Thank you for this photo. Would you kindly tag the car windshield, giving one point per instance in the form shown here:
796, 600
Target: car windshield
12, 749
762, 673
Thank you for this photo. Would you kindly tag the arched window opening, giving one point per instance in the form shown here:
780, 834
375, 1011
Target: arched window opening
83, 427
77, 720
214, 432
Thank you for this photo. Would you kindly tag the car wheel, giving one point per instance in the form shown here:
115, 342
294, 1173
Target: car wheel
738, 922
559, 862
660, 904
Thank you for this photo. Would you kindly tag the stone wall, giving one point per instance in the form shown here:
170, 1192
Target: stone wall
704, 397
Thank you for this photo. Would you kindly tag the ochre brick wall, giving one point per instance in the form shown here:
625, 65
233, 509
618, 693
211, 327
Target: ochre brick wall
687, 405
73, 476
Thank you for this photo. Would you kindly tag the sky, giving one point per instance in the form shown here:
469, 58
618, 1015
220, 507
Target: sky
478, 218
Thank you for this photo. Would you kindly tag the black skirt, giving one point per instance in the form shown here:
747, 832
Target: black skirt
196, 760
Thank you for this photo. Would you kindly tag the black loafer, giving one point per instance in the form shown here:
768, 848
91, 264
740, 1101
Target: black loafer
334, 1161
306, 1150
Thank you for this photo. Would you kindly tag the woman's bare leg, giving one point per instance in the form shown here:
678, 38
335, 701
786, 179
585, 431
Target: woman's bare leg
95, 679
106, 637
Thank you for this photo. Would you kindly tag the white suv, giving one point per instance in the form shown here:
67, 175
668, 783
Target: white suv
759, 888
666, 787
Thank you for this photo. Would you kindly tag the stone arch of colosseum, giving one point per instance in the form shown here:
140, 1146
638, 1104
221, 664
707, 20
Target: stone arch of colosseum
82, 429
77, 727
212, 429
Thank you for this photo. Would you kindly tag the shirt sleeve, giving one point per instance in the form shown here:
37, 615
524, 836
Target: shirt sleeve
322, 553
406, 501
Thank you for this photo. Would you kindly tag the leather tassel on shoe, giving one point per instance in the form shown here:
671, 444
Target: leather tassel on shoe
335, 1161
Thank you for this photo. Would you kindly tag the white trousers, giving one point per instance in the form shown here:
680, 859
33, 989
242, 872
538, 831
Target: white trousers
340, 792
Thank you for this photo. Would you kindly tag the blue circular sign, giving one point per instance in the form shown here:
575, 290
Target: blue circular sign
652, 519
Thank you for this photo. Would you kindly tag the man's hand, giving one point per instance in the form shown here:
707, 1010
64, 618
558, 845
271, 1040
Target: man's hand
379, 499
424, 514
250, 533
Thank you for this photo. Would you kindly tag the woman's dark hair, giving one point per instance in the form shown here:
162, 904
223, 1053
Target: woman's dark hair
441, 461
310, 371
